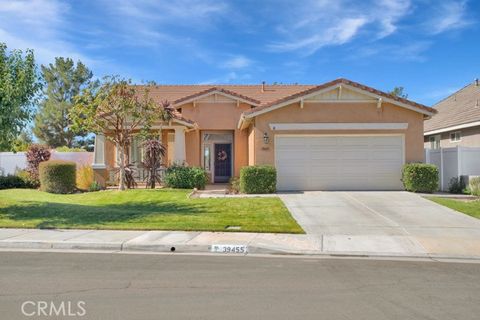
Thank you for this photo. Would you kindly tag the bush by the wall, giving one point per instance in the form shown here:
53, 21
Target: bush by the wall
84, 177
27, 179
11, 182
457, 185
420, 177
258, 179
183, 177
474, 186
57, 176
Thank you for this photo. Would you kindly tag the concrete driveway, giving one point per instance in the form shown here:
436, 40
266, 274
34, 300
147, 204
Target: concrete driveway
384, 222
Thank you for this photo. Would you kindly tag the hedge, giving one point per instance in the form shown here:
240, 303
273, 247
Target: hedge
258, 179
57, 176
420, 177
182, 177
20, 180
11, 182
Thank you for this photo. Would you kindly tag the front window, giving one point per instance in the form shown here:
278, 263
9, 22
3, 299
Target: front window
455, 136
434, 142
206, 158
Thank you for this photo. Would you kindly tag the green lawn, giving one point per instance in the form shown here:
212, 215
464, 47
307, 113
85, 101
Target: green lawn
165, 209
472, 208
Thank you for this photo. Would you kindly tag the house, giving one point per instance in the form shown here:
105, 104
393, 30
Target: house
340, 135
458, 120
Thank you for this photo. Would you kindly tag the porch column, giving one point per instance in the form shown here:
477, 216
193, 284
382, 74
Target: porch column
99, 152
179, 149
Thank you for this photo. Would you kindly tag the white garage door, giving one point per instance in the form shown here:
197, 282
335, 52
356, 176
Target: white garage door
339, 162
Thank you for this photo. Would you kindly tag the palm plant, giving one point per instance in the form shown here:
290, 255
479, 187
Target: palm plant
153, 154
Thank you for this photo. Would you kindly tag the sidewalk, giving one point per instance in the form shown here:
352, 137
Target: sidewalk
202, 242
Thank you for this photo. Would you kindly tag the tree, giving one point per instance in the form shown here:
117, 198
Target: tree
399, 92
118, 110
23, 141
63, 81
19, 85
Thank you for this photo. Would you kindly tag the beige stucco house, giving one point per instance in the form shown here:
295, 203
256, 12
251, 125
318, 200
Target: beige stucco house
458, 120
339, 135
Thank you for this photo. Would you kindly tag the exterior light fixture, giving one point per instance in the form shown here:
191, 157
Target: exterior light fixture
266, 138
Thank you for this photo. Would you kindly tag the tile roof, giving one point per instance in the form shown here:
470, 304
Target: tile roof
346, 82
253, 93
260, 98
459, 108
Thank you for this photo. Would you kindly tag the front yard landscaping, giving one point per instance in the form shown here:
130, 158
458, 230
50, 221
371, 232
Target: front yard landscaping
160, 209
471, 207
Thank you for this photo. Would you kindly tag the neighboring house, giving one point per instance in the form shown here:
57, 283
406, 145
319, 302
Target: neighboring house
458, 120
339, 135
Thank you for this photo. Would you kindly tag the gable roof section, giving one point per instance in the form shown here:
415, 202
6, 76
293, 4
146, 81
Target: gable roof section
264, 98
459, 109
252, 94
335, 83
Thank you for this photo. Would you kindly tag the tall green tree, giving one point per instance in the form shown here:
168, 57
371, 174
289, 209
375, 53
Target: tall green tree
64, 80
399, 92
19, 85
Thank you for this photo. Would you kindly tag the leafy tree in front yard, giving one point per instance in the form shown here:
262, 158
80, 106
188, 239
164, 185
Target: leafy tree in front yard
119, 110
19, 85
64, 81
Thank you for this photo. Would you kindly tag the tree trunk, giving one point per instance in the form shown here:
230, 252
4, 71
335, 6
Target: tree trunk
121, 185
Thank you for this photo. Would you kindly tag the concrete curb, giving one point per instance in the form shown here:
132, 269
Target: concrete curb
202, 242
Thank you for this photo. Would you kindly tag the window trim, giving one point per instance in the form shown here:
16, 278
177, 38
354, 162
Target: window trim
454, 134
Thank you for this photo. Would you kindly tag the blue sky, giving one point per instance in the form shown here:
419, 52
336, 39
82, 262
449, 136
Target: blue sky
431, 48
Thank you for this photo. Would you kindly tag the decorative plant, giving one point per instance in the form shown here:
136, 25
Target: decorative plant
84, 177
36, 153
153, 154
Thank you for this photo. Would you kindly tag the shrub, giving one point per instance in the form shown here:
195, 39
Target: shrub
457, 185
11, 182
183, 177
234, 185
94, 186
84, 177
258, 179
153, 154
36, 153
27, 179
474, 186
420, 177
57, 176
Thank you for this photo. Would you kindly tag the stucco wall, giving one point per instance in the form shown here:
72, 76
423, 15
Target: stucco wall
220, 116
470, 138
336, 112
251, 146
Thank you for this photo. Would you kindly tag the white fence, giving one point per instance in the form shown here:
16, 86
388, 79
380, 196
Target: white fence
454, 162
11, 162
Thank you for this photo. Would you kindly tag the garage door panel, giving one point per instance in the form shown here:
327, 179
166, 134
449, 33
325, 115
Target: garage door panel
339, 162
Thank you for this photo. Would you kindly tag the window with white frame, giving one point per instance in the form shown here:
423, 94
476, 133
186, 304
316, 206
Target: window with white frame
455, 136
434, 142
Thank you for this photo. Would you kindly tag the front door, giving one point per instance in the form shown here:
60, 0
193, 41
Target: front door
223, 162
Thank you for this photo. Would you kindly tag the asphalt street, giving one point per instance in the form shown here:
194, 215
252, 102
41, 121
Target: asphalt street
147, 286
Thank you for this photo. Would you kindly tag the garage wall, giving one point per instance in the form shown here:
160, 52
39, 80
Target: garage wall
339, 112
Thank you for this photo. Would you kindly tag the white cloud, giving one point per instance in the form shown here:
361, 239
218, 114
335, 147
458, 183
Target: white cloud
448, 15
324, 23
38, 25
237, 62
